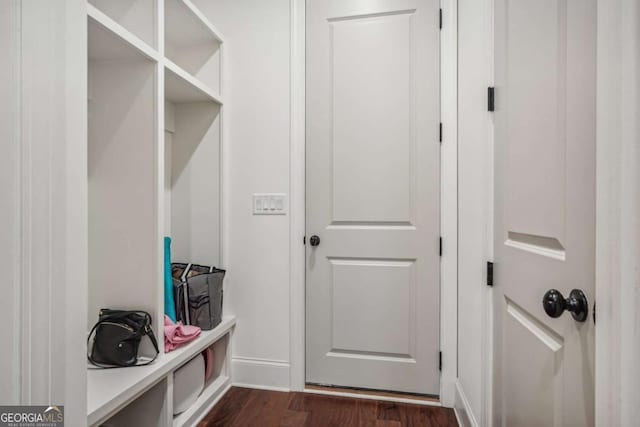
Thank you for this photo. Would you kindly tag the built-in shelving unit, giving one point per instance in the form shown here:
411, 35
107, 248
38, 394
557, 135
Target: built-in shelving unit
112, 389
154, 170
192, 42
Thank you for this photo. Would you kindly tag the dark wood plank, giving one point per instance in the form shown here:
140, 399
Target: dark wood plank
326, 410
242, 407
263, 409
227, 409
388, 411
415, 415
440, 417
368, 413
293, 419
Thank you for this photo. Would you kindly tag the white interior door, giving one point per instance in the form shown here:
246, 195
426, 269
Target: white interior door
545, 212
373, 179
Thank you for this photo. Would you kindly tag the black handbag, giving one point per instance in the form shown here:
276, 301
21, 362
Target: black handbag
117, 338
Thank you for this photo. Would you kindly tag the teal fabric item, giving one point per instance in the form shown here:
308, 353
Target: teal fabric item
169, 303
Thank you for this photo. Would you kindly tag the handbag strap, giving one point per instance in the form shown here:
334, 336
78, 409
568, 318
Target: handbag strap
146, 330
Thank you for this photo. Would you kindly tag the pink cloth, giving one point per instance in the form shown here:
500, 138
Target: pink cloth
177, 334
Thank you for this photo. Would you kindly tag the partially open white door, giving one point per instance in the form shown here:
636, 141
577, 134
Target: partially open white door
545, 212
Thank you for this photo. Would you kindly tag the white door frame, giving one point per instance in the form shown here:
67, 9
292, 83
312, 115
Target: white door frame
617, 213
448, 208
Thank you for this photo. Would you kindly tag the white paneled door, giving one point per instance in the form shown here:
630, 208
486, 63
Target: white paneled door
373, 201
545, 212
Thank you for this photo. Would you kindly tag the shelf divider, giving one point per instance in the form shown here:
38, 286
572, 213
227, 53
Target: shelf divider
109, 47
182, 87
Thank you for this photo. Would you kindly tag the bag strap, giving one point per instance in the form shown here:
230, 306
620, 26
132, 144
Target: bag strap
149, 332
146, 330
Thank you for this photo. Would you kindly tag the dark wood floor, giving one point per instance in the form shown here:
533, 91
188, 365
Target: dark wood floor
242, 407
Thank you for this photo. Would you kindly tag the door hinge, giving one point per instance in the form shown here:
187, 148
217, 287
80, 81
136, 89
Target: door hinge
304, 240
440, 131
440, 361
491, 99
440, 18
440, 250
489, 273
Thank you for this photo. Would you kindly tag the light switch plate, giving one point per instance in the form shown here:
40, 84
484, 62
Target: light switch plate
270, 204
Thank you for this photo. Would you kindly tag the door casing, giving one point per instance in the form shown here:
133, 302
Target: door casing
448, 208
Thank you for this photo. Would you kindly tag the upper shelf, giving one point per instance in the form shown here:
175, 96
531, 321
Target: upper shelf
137, 16
109, 390
181, 87
186, 26
110, 40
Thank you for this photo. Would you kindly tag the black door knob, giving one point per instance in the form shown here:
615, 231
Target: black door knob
555, 304
314, 240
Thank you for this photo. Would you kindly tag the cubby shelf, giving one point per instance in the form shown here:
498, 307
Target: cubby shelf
181, 87
187, 26
109, 40
109, 390
205, 402
144, 94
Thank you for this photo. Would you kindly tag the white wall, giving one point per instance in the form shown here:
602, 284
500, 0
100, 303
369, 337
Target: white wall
257, 87
53, 210
475, 204
10, 196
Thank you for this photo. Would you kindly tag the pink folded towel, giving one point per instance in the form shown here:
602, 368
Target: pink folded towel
177, 334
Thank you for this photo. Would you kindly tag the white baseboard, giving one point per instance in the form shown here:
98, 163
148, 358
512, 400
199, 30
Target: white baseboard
261, 387
462, 408
260, 373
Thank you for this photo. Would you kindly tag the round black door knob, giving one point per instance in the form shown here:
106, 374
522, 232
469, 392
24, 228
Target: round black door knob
314, 240
555, 304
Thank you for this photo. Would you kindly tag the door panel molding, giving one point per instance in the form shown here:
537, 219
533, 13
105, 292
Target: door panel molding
383, 335
354, 133
541, 245
359, 225
533, 325
372, 15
